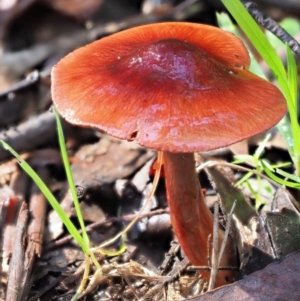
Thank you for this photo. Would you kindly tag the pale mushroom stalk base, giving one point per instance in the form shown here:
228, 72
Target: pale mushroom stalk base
191, 219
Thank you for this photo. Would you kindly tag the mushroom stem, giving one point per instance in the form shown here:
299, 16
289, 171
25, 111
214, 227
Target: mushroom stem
191, 219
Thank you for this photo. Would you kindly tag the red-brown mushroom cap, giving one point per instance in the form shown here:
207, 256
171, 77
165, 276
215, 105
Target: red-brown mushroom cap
177, 87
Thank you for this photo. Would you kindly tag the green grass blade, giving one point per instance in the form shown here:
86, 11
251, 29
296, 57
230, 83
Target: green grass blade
288, 175
243, 179
261, 148
285, 130
281, 165
260, 42
275, 178
48, 194
225, 23
238, 159
65, 158
292, 78
266, 164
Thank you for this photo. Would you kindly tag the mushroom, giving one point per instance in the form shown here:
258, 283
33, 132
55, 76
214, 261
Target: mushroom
177, 88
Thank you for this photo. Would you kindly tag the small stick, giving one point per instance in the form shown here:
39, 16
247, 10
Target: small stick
29, 80
16, 270
207, 268
228, 224
215, 258
271, 25
216, 254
